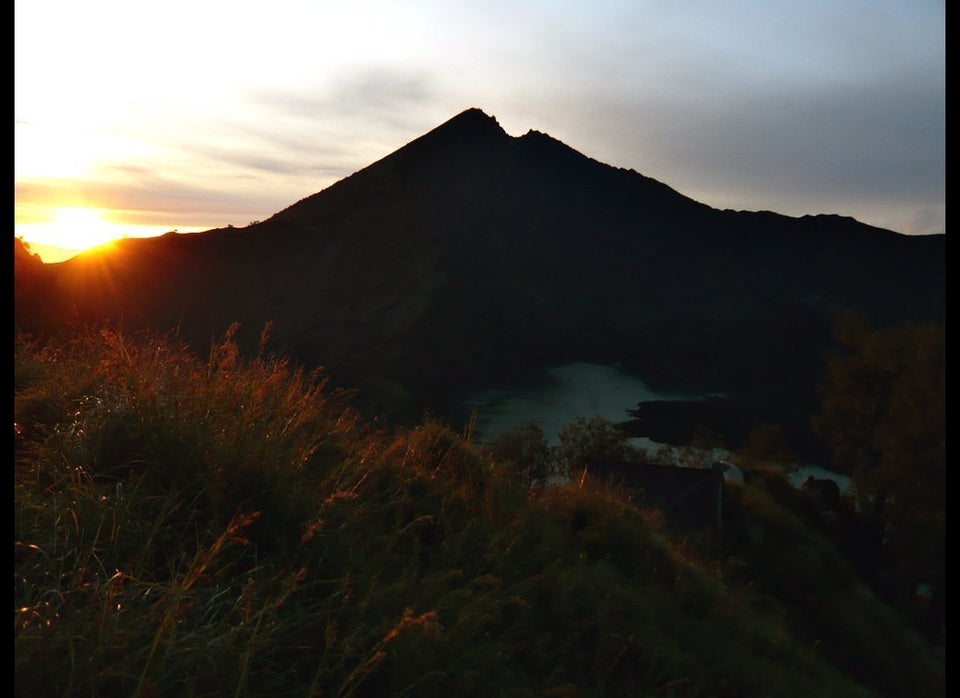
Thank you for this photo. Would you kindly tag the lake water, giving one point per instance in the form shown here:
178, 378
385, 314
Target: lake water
565, 393
587, 390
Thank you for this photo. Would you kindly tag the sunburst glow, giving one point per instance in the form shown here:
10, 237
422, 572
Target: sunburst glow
77, 229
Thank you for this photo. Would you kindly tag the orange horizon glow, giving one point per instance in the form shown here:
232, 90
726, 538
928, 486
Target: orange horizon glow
63, 232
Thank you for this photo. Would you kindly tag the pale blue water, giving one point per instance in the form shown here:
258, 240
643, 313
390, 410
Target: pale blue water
570, 391
587, 390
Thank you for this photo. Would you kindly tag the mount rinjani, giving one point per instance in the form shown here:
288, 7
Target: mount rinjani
471, 259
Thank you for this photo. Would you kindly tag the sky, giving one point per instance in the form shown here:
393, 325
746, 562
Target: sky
134, 119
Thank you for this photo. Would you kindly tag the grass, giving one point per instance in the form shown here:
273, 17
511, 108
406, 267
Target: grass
224, 526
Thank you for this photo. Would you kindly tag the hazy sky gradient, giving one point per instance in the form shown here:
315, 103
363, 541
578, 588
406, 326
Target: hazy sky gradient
194, 115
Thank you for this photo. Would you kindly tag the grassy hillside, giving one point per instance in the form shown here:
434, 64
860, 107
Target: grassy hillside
215, 526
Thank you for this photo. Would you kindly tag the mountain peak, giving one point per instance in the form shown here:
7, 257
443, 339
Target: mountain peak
470, 125
471, 130
473, 118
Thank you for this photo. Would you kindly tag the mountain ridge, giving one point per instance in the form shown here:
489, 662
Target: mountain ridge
469, 258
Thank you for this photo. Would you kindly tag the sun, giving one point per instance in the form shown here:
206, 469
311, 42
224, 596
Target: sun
81, 228
58, 233
76, 228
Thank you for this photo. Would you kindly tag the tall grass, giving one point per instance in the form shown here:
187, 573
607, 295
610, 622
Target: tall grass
224, 526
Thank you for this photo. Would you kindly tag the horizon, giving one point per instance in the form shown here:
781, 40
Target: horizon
838, 110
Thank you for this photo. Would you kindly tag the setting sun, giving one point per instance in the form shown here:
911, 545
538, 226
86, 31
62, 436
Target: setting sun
59, 233
62, 232
82, 228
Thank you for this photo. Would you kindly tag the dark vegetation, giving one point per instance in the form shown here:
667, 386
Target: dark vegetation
884, 416
226, 526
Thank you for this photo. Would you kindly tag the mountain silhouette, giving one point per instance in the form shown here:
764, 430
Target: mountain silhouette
470, 258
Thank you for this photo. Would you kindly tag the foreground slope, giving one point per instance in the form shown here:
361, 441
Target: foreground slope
216, 527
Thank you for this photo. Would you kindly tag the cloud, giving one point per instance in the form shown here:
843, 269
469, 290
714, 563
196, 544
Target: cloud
311, 137
362, 98
828, 144
141, 195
